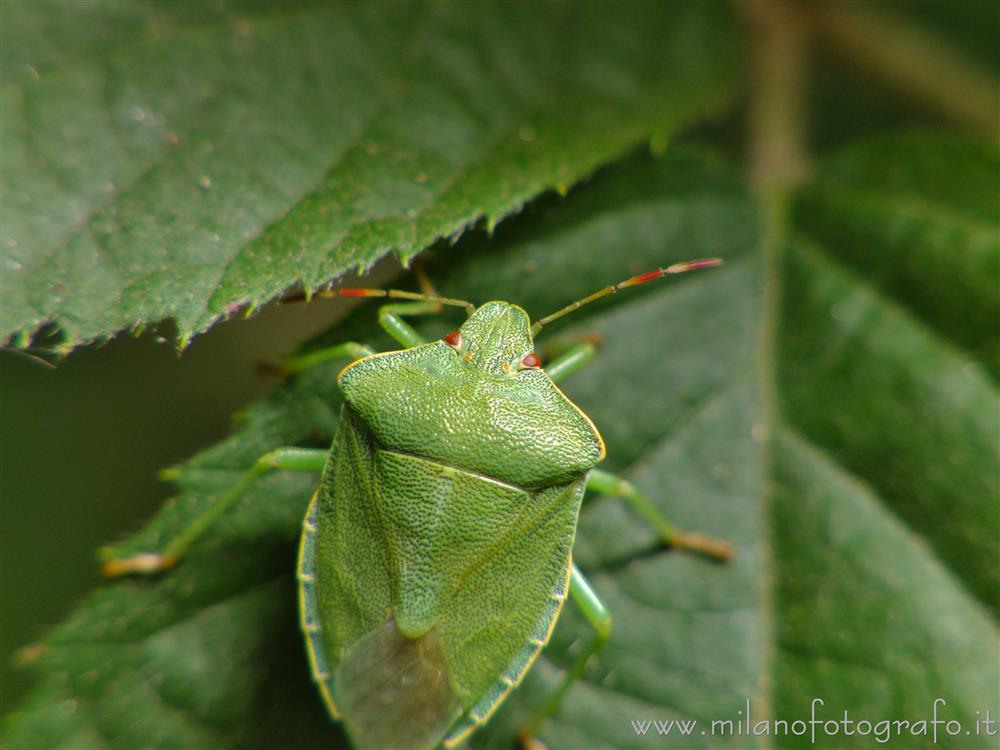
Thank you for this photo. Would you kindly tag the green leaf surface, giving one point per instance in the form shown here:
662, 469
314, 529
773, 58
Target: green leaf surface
186, 161
812, 416
916, 215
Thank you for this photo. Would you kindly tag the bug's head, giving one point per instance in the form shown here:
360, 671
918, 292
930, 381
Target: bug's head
497, 340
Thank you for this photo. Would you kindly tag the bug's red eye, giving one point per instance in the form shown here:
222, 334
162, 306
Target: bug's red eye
531, 361
454, 340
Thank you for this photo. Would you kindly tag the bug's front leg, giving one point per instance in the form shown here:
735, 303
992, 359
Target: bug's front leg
597, 615
147, 563
390, 317
606, 483
575, 358
347, 349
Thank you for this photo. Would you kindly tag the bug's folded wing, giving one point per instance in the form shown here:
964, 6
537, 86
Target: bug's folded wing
394, 691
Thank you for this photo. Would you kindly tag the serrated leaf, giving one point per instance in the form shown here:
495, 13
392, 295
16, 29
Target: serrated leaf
186, 161
783, 401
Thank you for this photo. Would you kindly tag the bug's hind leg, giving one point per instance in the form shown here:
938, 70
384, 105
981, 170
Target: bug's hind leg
606, 483
114, 564
597, 615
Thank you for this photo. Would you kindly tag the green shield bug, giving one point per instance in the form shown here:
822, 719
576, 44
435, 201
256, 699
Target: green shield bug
436, 554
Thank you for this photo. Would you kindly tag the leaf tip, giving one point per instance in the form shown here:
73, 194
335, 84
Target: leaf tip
170, 473
30, 654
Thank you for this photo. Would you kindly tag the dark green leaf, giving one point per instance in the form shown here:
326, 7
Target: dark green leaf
178, 160
917, 216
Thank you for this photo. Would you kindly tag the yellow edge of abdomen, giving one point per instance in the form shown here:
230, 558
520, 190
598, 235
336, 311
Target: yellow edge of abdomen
308, 614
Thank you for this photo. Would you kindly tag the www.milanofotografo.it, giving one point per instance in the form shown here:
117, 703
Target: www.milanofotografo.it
825, 722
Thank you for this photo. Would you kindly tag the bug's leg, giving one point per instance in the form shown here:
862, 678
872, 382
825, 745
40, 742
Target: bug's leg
294, 459
574, 359
349, 349
600, 620
390, 317
606, 483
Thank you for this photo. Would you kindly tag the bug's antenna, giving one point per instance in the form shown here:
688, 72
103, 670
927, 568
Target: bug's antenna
391, 293
642, 278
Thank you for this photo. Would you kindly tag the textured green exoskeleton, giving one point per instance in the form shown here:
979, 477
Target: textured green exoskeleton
436, 555
439, 543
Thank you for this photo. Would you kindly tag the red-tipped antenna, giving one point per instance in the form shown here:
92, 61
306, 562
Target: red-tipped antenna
391, 293
642, 278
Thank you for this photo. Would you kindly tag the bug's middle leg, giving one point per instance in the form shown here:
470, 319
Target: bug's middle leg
147, 563
605, 483
590, 604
